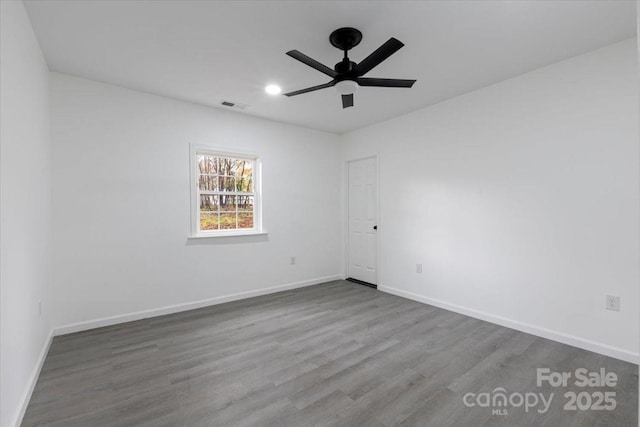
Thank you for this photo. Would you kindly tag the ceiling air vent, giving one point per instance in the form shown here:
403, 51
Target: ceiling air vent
234, 105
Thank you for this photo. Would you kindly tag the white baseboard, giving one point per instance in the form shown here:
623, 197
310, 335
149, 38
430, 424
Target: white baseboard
122, 318
560, 337
31, 384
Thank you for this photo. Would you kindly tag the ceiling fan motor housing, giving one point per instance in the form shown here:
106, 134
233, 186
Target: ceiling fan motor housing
344, 66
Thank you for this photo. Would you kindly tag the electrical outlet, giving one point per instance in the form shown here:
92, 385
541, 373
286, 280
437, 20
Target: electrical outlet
612, 302
418, 268
292, 261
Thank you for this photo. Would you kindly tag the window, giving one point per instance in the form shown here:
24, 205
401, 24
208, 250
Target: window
226, 197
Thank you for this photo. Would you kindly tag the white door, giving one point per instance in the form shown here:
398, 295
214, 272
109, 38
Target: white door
363, 191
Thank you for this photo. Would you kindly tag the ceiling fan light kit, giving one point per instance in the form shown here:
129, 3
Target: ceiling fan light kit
347, 76
346, 87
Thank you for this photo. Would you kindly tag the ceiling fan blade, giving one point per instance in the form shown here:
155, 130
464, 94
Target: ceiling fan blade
311, 63
310, 89
380, 54
367, 81
347, 101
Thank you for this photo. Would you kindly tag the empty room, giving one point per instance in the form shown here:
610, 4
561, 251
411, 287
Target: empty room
319, 213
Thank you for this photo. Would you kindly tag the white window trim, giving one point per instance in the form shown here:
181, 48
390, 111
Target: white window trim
195, 232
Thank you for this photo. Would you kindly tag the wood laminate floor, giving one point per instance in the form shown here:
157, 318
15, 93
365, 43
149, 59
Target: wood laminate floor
336, 354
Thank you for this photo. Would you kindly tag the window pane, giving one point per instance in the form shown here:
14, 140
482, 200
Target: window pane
227, 166
244, 184
243, 168
207, 164
228, 221
208, 221
208, 182
208, 202
227, 203
227, 183
237, 167
245, 220
245, 203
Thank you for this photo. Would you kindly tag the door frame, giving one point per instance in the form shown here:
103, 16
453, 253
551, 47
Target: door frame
376, 156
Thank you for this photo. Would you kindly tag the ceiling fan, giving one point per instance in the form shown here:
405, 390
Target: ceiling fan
347, 75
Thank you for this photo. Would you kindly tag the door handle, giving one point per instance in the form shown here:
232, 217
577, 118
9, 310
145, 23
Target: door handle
375, 227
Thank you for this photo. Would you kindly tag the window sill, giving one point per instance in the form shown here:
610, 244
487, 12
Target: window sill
230, 234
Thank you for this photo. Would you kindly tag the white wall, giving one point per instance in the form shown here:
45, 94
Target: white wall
638, 59
521, 200
25, 214
121, 203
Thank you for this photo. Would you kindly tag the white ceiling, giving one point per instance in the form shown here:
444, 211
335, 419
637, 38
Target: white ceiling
207, 51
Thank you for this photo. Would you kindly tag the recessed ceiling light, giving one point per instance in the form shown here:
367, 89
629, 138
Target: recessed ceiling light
273, 89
